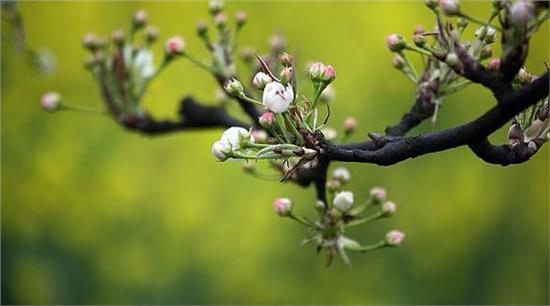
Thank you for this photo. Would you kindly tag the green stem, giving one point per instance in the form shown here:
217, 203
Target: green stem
293, 128
299, 219
481, 22
84, 109
379, 245
419, 50
409, 66
373, 217
455, 87
199, 63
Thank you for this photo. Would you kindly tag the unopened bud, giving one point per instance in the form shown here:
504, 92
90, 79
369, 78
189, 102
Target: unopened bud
329, 74
282, 207
419, 40
328, 94
266, 119
491, 35
247, 55
140, 19
118, 37
418, 29
378, 194
202, 28
395, 42
315, 71
341, 174
462, 23
398, 62
215, 6
220, 20
259, 135
521, 12
330, 133
286, 75
333, 186
524, 76
174, 46
91, 42
50, 101
221, 150
320, 205
349, 125
389, 208
452, 60
450, 7
234, 87
240, 18
260, 80
343, 201
394, 238
286, 59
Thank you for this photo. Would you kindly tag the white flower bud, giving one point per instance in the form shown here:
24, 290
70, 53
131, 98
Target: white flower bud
259, 135
221, 150
330, 133
452, 59
343, 201
449, 7
328, 93
282, 207
215, 6
236, 136
395, 42
389, 208
315, 71
277, 97
260, 80
341, 174
395, 238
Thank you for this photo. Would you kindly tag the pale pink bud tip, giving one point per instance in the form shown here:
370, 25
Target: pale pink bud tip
329, 73
350, 124
261, 79
220, 19
50, 101
341, 174
316, 70
378, 194
175, 45
395, 238
282, 206
240, 18
140, 18
389, 208
395, 42
266, 119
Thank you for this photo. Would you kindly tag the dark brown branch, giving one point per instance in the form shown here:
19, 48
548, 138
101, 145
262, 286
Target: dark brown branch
192, 116
503, 155
472, 132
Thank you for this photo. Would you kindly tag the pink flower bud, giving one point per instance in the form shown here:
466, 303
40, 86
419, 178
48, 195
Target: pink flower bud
494, 64
333, 185
378, 194
349, 125
260, 80
266, 119
259, 136
449, 7
395, 42
521, 12
329, 74
277, 43
286, 59
240, 18
418, 29
282, 207
50, 101
220, 20
175, 46
118, 37
389, 208
394, 238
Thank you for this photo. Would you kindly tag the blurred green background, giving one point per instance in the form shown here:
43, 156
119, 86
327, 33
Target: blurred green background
94, 214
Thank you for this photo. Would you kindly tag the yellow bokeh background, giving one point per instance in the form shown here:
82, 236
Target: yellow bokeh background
92, 213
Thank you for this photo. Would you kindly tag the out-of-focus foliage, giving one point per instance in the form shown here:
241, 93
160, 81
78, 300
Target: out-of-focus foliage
94, 214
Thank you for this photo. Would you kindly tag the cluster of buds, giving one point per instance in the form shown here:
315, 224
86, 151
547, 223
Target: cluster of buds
292, 124
446, 55
340, 213
124, 67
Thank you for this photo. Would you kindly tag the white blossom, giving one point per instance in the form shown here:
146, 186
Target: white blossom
235, 136
277, 97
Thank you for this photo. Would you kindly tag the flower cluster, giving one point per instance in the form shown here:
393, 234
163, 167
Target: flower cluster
339, 213
293, 124
446, 55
